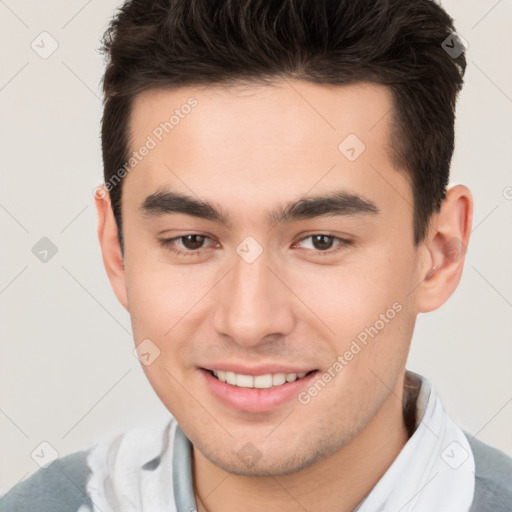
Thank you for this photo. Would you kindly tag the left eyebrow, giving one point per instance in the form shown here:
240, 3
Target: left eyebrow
334, 204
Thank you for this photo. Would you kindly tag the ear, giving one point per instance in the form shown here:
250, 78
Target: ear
445, 248
110, 248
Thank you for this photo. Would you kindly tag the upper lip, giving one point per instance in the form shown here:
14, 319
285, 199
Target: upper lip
258, 370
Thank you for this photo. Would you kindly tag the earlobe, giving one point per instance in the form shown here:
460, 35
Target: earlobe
109, 243
446, 247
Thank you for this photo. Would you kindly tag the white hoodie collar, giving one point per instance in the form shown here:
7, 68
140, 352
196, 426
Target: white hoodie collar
433, 471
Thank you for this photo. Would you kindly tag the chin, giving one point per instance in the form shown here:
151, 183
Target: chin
249, 461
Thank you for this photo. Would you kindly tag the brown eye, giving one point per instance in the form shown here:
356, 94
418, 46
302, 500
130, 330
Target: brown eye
188, 245
192, 242
322, 242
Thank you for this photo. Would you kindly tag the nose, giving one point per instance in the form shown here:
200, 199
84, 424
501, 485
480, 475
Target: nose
253, 305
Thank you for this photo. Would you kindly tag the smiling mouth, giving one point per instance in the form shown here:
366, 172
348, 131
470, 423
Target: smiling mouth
269, 380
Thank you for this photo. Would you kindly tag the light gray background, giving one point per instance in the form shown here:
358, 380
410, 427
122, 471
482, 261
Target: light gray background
67, 372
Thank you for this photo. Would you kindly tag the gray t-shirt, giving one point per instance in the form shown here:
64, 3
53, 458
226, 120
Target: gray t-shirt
85, 480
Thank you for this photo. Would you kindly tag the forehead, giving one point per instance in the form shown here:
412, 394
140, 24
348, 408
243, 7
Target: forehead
270, 143
297, 111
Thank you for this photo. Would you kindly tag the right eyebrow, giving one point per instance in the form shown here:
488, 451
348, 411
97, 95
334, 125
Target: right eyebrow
164, 202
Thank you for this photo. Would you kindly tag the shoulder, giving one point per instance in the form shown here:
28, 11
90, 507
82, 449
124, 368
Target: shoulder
103, 471
61, 487
493, 478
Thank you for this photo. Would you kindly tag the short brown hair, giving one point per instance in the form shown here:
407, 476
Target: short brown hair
397, 43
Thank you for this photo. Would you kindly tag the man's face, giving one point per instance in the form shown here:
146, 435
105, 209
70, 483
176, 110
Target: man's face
263, 289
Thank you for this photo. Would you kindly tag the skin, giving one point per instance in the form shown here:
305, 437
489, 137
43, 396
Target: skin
248, 149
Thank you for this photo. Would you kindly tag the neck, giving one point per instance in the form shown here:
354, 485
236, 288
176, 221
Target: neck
339, 482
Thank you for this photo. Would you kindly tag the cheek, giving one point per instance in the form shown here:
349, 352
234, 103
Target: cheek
167, 306
366, 307
162, 306
161, 295
348, 298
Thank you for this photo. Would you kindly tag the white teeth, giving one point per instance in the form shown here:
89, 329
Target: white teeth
244, 381
259, 381
263, 381
278, 379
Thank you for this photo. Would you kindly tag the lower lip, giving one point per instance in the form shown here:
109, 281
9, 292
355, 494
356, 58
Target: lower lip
255, 400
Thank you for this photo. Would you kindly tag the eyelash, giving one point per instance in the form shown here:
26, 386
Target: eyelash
168, 243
